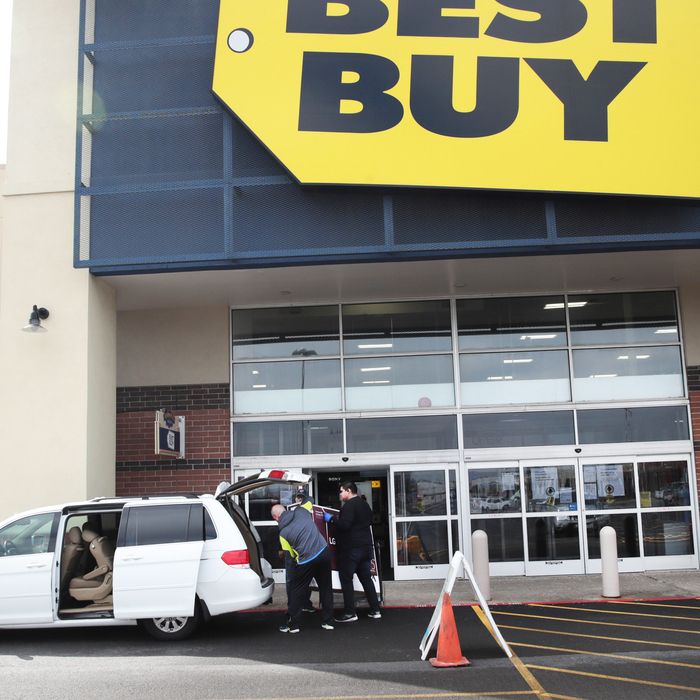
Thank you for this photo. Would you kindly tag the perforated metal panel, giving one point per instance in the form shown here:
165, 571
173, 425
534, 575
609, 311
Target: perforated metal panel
166, 176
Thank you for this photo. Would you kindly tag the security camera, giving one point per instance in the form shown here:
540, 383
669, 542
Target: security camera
577, 450
345, 459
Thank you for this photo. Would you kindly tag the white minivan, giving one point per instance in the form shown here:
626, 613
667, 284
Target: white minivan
164, 562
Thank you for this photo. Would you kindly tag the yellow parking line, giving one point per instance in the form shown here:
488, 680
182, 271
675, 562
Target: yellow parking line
656, 605
594, 622
613, 612
591, 636
621, 679
624, 657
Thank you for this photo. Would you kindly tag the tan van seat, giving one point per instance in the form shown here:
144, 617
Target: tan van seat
72, 553
96, 585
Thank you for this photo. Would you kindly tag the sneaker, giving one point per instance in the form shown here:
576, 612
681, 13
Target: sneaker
327, 626
289, 628
347, 617
308, 609
374, 614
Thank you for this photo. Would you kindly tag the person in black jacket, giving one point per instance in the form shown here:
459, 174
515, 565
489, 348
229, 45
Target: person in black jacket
355, 551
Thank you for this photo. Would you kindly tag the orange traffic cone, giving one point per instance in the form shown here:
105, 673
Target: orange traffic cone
449, 653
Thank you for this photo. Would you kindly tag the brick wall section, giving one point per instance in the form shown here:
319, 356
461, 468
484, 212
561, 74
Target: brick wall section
208, 450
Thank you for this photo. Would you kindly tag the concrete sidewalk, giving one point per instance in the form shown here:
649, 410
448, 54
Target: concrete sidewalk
525, 589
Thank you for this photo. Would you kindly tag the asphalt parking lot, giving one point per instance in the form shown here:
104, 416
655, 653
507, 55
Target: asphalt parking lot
599, 650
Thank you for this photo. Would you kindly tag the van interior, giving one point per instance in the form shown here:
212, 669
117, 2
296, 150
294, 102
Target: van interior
87, 560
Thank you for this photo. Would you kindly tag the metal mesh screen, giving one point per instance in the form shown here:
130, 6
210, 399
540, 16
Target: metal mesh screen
166, 175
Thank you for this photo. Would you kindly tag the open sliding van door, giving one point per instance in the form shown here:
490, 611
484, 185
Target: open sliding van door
157, 559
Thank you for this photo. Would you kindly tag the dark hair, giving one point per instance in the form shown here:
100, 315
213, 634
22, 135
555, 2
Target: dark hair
349, 486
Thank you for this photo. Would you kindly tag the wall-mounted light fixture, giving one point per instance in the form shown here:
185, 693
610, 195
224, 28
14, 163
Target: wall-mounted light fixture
38, 315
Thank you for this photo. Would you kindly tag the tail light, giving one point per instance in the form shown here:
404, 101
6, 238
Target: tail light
236, 557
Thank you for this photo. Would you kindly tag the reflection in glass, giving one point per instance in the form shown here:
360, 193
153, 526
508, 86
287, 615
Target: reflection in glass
663, 484
494, 490
420, 493
399, 382
422, 542
627, 535
511, 323
638, 317
505, 538
518, 429
454, 524
633, 424
550, 488
508, 378
627, 373
609, 486
667, 534
294, 437
270, 537
285, 332
286, 387
413, 326
402, 434
453, 492
553, 537
261, 500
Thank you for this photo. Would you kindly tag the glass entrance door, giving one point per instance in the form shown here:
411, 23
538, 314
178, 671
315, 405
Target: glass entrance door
425, 522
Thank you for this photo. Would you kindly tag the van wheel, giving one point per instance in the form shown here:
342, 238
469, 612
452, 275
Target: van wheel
171, 629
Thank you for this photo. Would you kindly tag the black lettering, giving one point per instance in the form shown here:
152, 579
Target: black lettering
634, 21
425, 18
585, 101
311, 17
323, 90
497, 86
559, 19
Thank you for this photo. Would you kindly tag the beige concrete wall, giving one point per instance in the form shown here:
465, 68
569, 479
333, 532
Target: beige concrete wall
57, 424
689, 298
173, 346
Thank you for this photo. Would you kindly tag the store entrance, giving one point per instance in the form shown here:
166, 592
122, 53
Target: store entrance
372, 484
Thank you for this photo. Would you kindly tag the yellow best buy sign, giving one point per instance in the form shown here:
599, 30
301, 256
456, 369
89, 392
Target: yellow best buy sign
553, 95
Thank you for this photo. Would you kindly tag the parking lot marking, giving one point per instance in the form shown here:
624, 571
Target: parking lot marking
500, 693
592, 636
656, 605
531, 681
621, 679
596, 622
615, 612
624, 657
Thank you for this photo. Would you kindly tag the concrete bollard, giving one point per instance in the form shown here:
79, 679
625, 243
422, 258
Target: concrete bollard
480, 559
608, 562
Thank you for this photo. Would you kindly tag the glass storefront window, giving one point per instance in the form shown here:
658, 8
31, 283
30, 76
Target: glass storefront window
518, 429
609, 486
505, 538
550, 488
270, 538
415, 326
399, 382
296, 437
402, 434
663, 484
493, 491
422, 542
609, 319
509, 378
626, 531
511, 323
285, 332
633, 424
261, 500
286, 387
420, 493
667, 534
627, 374
553, 537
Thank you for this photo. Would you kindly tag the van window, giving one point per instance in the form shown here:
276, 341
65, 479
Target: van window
164, 525
35, 534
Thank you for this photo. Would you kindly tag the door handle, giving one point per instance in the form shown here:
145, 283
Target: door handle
37, 566
132, 558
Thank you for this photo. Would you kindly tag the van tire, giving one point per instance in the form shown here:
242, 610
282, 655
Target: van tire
172, 629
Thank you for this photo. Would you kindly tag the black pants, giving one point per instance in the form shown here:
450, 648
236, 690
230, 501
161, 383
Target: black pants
298, 586
357, 561
289, 567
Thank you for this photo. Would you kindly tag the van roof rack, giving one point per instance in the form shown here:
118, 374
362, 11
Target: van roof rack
170, 495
